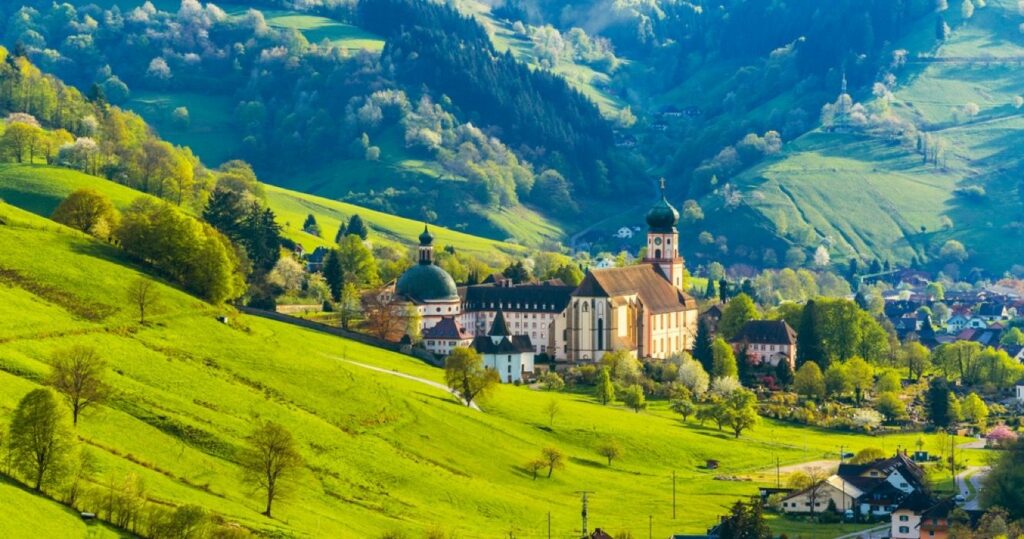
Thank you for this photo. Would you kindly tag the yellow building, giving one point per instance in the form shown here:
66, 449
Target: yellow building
641, 308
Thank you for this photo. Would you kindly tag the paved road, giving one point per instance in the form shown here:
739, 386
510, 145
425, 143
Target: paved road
424, 381
974, 475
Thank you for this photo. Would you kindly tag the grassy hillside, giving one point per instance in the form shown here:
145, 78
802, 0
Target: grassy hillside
40, 189
871, 198
383, 453
43, 518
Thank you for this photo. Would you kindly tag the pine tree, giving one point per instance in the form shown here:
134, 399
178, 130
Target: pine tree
808, 341
334, 274
341, 231
709, 293
723, 290
851, 273
743, 366
605, 391
702, 350
357, 227
784, 374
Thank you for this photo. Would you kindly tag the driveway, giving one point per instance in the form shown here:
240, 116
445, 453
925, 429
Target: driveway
424, 381
968, 483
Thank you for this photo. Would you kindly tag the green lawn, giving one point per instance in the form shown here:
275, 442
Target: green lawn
383, 452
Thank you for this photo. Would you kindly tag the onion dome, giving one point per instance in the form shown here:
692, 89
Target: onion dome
426, 238
662, 217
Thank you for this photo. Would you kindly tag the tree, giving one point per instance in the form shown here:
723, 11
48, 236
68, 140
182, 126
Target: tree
143, 294
605, 390
812, 482
723, 291
809, 381
633, 396
784, 374
21, 140
535, 466
702, 350
953, 251
357, 263
683, 406
348, 305
553, 458
384, 316
552, 409
741, 411
808, 342
270, 459
1004, 485
357, 227
78, 375
837, 380
745, 521
90, 211
465, 374
610, 449
975, 410
342, 227
693, 377
867, 455
334, 274
39, 438
737, 312
517, 272
891, 407
918, 359
937, 402
724, 364
860, 374
310, 226
570, 274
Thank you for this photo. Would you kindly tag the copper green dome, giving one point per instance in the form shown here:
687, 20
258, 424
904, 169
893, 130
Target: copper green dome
427, 282
662, 217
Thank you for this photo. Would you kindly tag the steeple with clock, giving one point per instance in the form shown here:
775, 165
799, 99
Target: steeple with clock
663, 240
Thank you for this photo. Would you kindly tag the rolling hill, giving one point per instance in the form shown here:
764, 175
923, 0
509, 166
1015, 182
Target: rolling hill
40, 189
867, 197
382, 453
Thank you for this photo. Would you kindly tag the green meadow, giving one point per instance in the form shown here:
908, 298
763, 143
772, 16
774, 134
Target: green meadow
382, 453
871, 197
40, 189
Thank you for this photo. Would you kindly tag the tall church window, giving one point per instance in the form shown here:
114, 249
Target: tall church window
600, 334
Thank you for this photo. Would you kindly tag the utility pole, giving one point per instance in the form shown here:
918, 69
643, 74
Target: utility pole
778, 474
549, 524
650, 526
584, 512
673, 494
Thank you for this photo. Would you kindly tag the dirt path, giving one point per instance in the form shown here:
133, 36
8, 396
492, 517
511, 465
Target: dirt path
424, 381
823, 464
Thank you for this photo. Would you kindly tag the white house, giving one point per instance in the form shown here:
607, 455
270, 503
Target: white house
510, 355
445, 336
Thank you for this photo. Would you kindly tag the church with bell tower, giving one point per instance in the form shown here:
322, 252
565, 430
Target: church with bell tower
663, 240
641, 308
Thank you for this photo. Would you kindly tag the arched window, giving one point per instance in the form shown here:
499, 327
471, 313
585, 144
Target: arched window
657, 253
600, 334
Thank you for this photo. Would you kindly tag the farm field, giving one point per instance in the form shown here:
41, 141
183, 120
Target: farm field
383, 453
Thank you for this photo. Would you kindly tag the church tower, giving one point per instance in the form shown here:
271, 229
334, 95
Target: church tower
663, 240
426, 248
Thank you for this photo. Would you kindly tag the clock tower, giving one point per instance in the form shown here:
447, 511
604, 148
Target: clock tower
663, 240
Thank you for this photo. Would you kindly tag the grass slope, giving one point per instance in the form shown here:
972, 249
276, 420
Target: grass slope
383, 452
871, 198
37, 516
40, 189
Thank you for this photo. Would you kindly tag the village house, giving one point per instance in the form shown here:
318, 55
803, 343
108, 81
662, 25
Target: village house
766, 342
510, 355
445, 336
876, 488
919, 516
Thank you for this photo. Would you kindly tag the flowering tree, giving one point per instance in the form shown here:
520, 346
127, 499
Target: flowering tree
1001, 436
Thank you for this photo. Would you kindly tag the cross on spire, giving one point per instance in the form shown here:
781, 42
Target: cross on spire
662, 182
